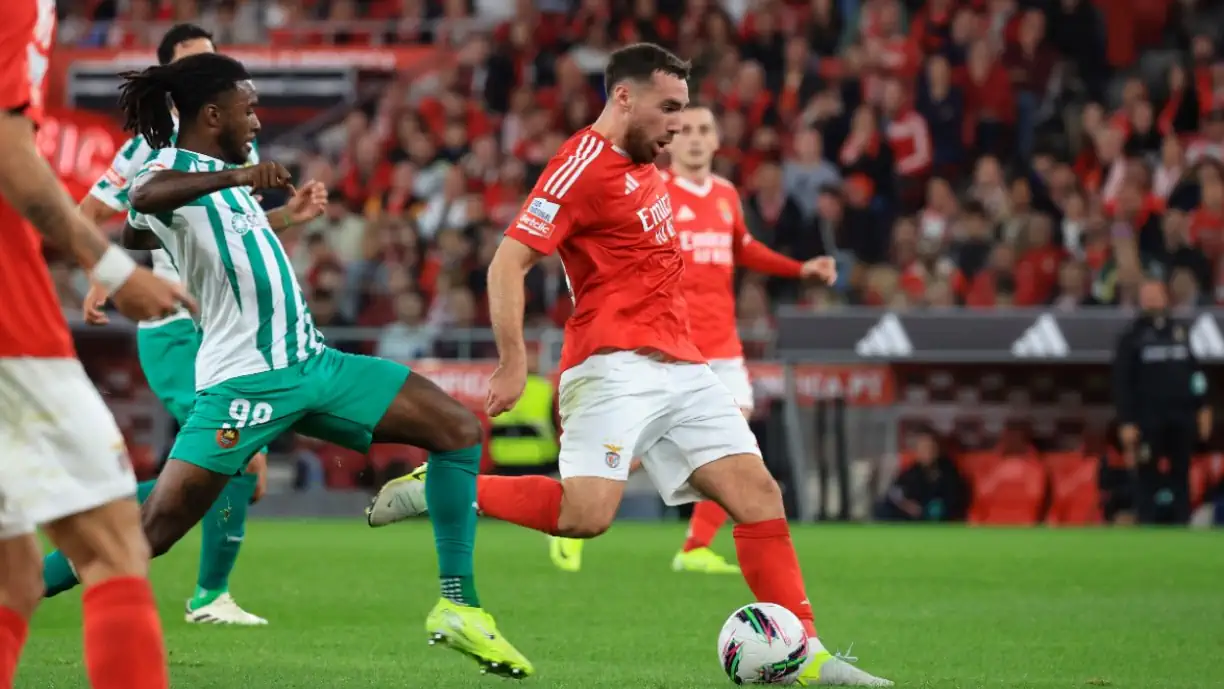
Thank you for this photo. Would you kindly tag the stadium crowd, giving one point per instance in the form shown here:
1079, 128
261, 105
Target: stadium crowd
949, 152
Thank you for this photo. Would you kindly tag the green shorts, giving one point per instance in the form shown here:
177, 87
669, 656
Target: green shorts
167, 357
334, 396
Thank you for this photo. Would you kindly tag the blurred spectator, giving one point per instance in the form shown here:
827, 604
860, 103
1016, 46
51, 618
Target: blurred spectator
942, 105
808, 171
930, 489
774, 217
408, 337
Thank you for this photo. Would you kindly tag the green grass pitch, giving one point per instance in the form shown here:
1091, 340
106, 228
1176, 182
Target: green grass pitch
928, 607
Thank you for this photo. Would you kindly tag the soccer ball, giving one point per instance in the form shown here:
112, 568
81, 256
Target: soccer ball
763, 643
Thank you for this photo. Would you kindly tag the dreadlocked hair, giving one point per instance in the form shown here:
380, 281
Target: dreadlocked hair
188, 85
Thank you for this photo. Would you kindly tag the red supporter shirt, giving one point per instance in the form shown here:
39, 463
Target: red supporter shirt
610, 220
31, 323
714, 240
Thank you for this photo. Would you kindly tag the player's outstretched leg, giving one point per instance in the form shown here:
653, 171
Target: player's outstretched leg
743, 486
696, 555
422, 415
530, 501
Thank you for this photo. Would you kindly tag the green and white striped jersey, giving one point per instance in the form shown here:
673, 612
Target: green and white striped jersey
112, 189
252, 311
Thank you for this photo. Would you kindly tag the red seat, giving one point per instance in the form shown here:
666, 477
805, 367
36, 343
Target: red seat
1203, 478
1011, 493
1076, 496
978, 463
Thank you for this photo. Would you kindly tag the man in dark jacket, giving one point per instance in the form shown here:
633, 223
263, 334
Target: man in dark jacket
1161, 397
930, 489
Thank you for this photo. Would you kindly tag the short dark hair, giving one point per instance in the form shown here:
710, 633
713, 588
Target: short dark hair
179, 33
189, 84
639, 61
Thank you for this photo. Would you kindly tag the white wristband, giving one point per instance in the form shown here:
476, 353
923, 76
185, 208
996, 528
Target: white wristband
113, 269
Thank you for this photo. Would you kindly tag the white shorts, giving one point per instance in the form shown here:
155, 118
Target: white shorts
60, 450
734, 374
675, 417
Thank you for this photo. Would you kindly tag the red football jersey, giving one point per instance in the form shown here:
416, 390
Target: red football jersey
610, 220
714, 241
31, 323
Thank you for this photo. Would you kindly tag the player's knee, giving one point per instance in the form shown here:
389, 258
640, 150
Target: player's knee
461, 430
585, 520
588, 506
21, 581
585, 526
105, 542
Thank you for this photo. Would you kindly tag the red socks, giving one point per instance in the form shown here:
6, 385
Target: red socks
124, 648
767, 558
530, 501
13, 632
708, 518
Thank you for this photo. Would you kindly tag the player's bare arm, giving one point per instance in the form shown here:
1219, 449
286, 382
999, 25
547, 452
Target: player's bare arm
165, 191
131, 238
506, 303
95, 210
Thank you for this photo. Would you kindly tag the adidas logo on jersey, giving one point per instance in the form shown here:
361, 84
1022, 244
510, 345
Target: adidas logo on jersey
631, 184
685, 214
887, 338
1042, 340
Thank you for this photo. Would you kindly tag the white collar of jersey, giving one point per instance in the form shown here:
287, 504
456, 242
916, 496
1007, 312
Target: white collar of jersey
620, 150
204, 157
692, 187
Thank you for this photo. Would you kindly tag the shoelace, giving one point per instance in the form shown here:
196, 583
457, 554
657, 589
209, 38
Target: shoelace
846, 657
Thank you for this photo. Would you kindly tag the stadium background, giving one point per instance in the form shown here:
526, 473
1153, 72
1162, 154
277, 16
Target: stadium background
1006, 158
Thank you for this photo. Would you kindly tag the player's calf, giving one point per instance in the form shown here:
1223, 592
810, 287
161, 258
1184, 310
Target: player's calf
21, 584
20, 589
183, 494
743, 486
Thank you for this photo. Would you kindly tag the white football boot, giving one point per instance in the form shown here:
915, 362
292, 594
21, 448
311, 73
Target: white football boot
401, 498
835, 669
223, 610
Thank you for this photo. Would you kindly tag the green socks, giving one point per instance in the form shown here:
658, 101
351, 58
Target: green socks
57, 572
221, 534
450, 494
57, 575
